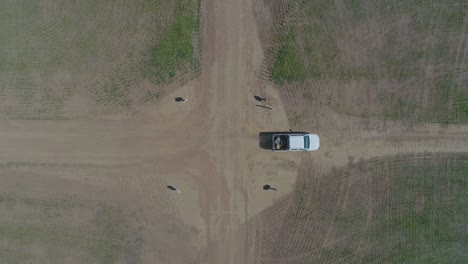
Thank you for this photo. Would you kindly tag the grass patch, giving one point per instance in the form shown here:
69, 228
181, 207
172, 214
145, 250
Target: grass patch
324, 28
109, 247
404, 66
176, 50
461, 103
7, 199
321, 53
115, 92
400, 107
410, 47
405, 209
288, 66
357, 9
95, 50
105, 250
424, 220
46, 223
152, 95
449, 99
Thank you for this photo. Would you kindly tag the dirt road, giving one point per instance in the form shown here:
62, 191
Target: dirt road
207, 147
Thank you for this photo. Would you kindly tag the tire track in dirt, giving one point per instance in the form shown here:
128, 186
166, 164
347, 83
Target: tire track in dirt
212, 141
175, 137
347, 139
116, 156
366, 179
227, 89
233, 58
359, 138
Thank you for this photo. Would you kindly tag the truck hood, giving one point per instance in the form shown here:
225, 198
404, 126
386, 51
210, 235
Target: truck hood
314, 141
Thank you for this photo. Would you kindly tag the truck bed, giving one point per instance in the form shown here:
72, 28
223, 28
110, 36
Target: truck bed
280, 142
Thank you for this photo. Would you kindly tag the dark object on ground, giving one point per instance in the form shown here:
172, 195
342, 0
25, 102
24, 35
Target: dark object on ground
268, 187
290, 130
267, 107
173, 188
258, 98
181, 99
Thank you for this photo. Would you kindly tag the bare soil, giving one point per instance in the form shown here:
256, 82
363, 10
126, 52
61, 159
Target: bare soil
209, 149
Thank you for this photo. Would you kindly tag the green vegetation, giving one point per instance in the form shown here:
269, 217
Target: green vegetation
420, 218
115, 92
423, 221
398, 107
288, 66
97, 51
110, 223
323, 29
461, 103
151, 96
445, 88
411, 44
105, 250
47, 223
404, 209
176, 50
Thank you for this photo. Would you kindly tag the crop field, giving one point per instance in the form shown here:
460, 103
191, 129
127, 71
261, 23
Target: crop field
402, 209
356, 72
383, 59
62, 229
65, 59
100, 163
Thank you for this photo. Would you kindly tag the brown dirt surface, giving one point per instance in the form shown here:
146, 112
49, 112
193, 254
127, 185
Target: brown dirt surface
207, 147
108, 174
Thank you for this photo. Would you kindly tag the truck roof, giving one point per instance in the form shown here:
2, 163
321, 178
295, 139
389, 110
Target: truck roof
312, 142
296, 141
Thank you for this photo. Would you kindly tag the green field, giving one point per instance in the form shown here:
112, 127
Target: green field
98, 52
44, 231
175, 51
405, 209
422, 218
415, 44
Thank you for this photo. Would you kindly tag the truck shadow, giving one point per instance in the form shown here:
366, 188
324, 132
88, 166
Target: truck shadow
265, 139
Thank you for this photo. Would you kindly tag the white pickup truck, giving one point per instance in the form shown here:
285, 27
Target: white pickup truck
295, 142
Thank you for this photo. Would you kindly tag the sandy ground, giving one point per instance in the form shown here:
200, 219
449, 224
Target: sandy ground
207, 147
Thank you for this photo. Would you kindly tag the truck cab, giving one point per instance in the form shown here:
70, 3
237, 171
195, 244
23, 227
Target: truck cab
295, 142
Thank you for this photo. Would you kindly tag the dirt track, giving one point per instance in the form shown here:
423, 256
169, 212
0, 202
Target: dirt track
207, 147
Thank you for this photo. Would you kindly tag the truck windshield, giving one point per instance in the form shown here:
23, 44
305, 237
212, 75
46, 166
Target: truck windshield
306, 142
